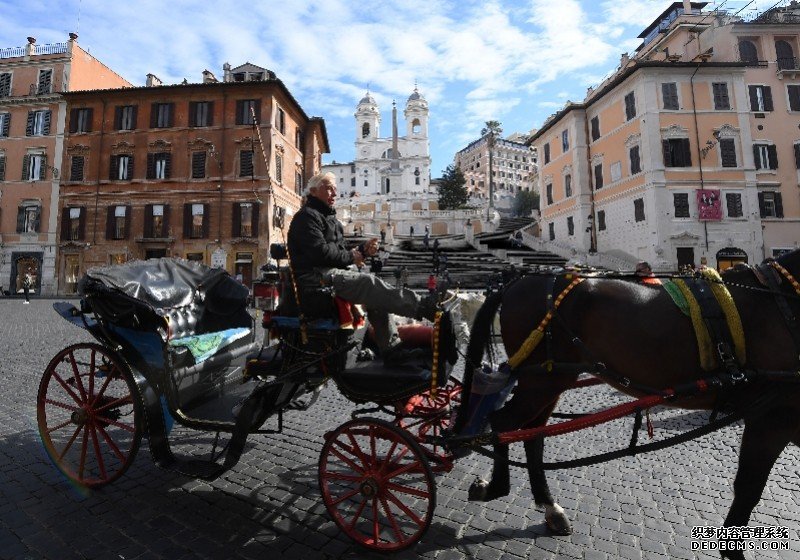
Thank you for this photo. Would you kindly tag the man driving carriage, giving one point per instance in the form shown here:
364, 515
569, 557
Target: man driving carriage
319, 257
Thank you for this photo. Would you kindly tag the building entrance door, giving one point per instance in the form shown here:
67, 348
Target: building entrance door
72, 270
685, 257
155, 253
730, 256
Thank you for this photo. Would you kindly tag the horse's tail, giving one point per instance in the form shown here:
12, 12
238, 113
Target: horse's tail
479, 343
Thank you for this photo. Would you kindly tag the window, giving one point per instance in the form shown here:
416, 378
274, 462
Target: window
298, 139
28, 215
727, 150
669, 96
197, 257
5, 124
638, 209
796, 156
125, 117
595, 122
199, 165
630, 106
121, 168
364, 130
45, 82
280, 121
73, 223
5, 84
721, 99
568, 185
760, 98
747, 51
734, 204
765, 156
677, 152
616, 171
38, 123
551, 228
547, 153
680, 201
156, 221
201, 113
564, 140
770, 204
248, 111
161, 115
298, 182
34, 167
601, 220
117, 222
245, 219
159, 165
784, 55
570, 225
2, 166
636, 164
195, 221
598, 176
76, 167
80, 120
246, 163
549, 193
794, 98
279, 169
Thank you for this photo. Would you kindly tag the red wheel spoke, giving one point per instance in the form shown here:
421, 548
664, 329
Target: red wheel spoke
340, 476
344, 497
77, 375
59, 404
116, 402
106, 383
67, 388
347, 460
111, 422
92, 369
396, 501
59, 426
69, 443
388, 456
352, 524
356, 450
120, 455
375, 525
397, 532
84, 445
96, 444
408, 490
401, 470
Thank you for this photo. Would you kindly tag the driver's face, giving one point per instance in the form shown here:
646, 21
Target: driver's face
326, 192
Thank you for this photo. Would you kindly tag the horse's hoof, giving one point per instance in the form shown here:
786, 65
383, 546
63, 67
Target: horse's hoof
478, 490
557, 521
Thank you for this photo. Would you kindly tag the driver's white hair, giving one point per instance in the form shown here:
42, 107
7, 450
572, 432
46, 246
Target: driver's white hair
317, 180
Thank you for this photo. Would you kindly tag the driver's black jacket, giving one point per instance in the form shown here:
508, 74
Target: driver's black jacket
316, 239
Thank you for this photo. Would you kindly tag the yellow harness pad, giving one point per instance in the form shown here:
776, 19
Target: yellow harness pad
708, 357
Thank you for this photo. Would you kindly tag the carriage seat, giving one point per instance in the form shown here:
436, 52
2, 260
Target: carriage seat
372, 381
348, 316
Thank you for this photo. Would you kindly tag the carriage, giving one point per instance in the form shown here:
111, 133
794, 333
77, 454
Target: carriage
176, 344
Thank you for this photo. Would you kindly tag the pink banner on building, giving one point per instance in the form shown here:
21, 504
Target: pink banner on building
709, 204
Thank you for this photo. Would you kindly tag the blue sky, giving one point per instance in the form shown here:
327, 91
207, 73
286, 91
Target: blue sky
515, 61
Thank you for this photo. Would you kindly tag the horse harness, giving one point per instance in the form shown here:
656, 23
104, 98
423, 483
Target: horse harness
771, 274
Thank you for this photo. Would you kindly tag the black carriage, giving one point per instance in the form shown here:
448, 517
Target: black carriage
176, 343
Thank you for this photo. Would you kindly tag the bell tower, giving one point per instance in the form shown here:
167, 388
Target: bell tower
368, 120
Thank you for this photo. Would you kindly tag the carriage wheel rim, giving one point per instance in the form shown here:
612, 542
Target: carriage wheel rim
377, 485
88, 415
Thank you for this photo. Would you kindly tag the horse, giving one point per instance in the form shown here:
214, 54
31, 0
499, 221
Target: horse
633, 329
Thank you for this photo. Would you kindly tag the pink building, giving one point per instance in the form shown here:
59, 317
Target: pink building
32, 119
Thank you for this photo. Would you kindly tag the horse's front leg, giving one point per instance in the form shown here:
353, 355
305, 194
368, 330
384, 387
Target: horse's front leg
763, 440
554, 515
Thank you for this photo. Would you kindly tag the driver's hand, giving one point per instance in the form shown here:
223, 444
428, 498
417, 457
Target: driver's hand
358, 258
371, 247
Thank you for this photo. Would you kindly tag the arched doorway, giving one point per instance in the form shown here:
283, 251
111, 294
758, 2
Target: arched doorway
730, 256
22, 264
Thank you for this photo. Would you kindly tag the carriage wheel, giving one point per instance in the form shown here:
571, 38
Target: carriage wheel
88, 413
377, 484
427, 415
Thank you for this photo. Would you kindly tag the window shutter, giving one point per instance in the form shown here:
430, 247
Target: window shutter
110, 222
151, 166
753, 90
153, 115
89, 119
46, 128
6, 125
26, 163
768, 98
198, 165
126, 233
135, 110
796, 156
687, 152
3, 166
598, 176
37, 219
236, 230
117, 118
192, 113
73, 121
772, 152
65, 224
148, 221
165, 221
727, 149
187, 221
112, 168
43, 168
29, 125
757, 157
778, 205
170, 115
129, 176
762, 209
665, 147
167, 165
239, 111
210, 114
20, 219
254, 226
76, 169
82, 224
206, 220
595, 128
794, 98
257, 110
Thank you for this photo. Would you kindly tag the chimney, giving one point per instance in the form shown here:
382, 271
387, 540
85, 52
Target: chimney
623, 61
226, 72
31, 46
152, 80
209, 77
687, 6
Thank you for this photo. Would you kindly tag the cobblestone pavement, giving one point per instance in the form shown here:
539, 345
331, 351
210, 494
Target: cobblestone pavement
269, 505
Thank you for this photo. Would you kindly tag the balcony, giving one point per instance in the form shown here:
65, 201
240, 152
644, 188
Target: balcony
788, 67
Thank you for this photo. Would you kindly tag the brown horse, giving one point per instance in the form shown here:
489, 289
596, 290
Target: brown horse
636, 332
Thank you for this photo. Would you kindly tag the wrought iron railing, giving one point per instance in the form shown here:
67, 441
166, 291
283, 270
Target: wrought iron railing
52, 48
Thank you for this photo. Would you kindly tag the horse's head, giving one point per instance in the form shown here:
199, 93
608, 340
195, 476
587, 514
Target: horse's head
791, 262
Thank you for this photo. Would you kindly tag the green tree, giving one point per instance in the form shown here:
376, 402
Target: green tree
492, 130
525, 202
452, 190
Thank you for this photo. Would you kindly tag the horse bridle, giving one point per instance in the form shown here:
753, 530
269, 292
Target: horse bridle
772, 271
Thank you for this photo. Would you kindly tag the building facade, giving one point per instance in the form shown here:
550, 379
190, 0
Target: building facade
674, 158
207, 171
32, 129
